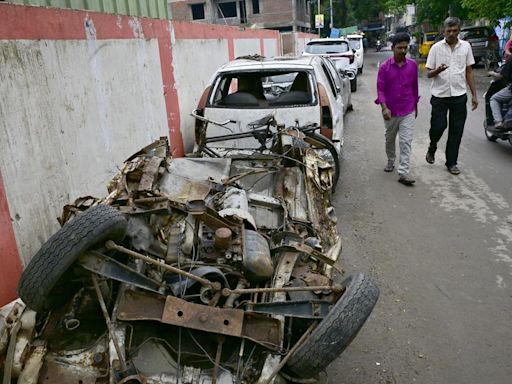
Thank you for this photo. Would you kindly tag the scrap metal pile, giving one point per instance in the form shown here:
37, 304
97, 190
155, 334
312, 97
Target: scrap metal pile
191, 270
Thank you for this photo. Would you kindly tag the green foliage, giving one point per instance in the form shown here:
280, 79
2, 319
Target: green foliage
350, 12
491, 10
436, 11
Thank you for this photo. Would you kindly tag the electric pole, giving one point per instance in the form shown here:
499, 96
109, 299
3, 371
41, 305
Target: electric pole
331, 25
318, 13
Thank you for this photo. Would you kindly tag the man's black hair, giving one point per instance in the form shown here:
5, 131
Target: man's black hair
400, 37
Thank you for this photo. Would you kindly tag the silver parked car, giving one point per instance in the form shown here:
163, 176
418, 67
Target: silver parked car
484, 44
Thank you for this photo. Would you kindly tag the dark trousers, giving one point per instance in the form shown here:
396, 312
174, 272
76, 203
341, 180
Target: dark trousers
451, 112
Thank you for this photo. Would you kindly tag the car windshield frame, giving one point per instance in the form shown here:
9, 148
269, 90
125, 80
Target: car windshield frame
215, 100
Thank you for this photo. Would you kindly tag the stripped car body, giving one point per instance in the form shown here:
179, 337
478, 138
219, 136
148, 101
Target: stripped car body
192, 270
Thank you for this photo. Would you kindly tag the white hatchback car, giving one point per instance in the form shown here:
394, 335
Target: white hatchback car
356, 43
297, 91
339, 51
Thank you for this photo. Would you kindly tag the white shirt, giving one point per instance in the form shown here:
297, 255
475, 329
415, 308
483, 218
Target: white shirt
452, 81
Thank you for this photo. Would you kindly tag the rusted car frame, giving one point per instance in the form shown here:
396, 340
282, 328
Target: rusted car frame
192, 270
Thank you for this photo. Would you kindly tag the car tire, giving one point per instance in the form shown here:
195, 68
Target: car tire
360, 70
48, 266
335, 332
353, 84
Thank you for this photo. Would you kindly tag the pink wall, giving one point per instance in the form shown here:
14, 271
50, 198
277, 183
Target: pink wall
19, 22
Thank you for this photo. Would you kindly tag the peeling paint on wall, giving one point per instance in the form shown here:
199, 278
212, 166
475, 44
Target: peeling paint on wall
136, 27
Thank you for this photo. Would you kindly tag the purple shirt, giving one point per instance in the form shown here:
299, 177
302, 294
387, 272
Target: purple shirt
397, 86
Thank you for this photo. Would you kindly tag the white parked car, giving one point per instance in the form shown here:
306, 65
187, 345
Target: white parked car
337, 50
296, 91
343, 78
356, 43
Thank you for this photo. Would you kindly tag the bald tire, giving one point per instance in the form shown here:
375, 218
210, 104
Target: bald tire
337, 330
93, 227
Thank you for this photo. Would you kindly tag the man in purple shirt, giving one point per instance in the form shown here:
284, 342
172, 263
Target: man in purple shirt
397, 94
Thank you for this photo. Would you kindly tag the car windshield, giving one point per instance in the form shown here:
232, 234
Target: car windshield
476, 33
321, 47
355, 43
263, 89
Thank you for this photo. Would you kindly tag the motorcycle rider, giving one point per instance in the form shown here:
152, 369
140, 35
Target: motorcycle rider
503, 96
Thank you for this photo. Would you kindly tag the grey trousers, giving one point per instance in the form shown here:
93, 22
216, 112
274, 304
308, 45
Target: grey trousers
404, 127
496, 100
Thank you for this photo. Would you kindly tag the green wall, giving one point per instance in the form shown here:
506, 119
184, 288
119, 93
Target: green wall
156, 9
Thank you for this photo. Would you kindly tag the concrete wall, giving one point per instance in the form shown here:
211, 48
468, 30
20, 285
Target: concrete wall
293, 43
199, 49
81, 91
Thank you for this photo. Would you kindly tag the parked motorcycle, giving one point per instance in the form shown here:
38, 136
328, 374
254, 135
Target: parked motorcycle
379, 45
491, 133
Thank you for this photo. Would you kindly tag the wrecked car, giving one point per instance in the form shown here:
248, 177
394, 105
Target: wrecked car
302, 89
201, 269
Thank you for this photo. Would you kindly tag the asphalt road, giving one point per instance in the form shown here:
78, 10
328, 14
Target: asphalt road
441, 251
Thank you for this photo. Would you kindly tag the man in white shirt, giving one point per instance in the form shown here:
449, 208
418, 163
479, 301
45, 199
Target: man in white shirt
449, 66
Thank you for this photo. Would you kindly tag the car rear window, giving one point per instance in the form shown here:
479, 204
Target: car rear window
355, 43
474, 33
280, 88
326, 47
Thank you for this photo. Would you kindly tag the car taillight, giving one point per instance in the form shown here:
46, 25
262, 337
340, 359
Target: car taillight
493, 38
351, 59
325, 113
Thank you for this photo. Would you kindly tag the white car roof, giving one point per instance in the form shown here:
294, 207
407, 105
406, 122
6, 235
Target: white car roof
303, 62
327, 40
354, 36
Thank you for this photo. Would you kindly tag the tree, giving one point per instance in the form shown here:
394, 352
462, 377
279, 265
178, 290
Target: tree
490, 10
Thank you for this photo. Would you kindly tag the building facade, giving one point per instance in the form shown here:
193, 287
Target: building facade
282, 15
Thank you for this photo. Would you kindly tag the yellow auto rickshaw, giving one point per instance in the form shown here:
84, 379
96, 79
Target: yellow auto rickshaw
427, 40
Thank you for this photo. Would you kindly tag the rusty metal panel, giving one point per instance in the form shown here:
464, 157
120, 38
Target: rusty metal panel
136, 305
263, 330
225, 321
150, 171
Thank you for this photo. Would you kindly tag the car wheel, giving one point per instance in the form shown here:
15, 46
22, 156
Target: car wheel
47, 268
353, 84
360, 70
337, 329
488, 134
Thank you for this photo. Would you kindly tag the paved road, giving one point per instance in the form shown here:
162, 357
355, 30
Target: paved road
441, 252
